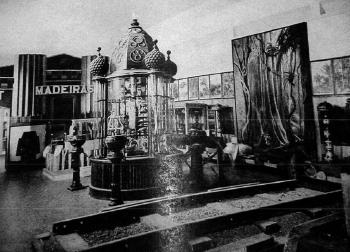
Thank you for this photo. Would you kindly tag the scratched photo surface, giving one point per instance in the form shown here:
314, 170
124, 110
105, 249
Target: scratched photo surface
176, 125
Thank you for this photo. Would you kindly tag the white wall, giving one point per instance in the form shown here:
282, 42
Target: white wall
200, 38
4, 117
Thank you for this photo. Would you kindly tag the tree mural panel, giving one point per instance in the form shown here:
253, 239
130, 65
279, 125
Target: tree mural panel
272, 78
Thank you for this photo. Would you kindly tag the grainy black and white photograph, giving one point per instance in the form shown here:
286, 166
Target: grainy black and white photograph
174, 125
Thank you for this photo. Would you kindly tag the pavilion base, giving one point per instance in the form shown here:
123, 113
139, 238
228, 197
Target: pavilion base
127, 194
76, 188
138, 178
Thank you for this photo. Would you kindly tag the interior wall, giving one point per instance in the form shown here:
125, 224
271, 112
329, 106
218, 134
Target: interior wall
200, 38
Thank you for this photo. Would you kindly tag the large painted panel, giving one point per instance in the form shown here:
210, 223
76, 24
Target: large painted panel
273, 90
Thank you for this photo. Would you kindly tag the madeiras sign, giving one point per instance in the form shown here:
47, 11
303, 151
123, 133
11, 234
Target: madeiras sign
63, 89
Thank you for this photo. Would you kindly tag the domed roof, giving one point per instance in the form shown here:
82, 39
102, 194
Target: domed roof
131, 49
169, 66
155, 59
99, 66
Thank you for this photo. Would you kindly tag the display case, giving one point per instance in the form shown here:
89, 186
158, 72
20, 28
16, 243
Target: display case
214, 119
220, 120
137, 106
141, 109
196, 117
192, 116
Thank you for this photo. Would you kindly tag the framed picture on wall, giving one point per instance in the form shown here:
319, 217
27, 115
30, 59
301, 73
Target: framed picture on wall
227, 84
215, 86
183, 89
322, 77
203, 87
175, 88
341, 75
193, 88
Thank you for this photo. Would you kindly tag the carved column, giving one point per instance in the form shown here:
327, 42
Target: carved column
324, 110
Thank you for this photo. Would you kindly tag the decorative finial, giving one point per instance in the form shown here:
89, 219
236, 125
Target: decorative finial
168, 52
134, 22
99, 66
169, 67
155, 44
154, 59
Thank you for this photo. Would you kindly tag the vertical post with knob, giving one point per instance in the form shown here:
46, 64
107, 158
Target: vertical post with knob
76, 142
345, 180
324, 110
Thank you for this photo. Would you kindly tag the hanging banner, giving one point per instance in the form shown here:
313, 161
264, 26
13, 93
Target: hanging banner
63, 89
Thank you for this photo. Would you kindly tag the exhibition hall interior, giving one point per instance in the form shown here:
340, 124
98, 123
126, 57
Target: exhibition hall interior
176, 126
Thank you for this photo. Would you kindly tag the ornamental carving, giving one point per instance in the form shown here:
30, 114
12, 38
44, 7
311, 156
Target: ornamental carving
137, 41
137, 55
131, 49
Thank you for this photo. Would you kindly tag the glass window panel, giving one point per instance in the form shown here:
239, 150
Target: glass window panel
227, 85
215, 86
204, 87
183, 89
342, 86
127, 87
193, 88
176, 90
337, 72
321, 77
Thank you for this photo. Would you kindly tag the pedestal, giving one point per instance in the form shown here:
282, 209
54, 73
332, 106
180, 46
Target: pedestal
75, 164
115, 144
116, 195
196, 172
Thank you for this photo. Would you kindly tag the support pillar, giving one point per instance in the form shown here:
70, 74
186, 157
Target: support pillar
196, 172
345, 180
115, 144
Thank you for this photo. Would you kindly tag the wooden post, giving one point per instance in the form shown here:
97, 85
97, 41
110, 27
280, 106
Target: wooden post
345, 180
115, 144
196, 171
116, 194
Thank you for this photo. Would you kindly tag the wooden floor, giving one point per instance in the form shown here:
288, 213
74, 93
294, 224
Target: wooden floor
30, 203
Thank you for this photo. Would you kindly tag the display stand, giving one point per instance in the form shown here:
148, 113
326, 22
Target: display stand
135, 103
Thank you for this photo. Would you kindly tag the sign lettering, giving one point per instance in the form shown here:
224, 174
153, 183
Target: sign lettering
61, 89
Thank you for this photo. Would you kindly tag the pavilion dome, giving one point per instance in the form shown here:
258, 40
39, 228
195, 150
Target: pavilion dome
99, 66
131, 50
155, 59
169, 66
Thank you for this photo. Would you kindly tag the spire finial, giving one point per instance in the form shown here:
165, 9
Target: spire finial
134, 21
99, 51
155, 44
168, 52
